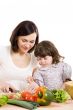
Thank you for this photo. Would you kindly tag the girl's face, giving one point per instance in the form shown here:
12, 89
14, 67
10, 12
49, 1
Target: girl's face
45, 61
25, 43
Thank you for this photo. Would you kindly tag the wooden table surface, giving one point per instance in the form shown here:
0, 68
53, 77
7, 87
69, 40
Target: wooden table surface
53, 106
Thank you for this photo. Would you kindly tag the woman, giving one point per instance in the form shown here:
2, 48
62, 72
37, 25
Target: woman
17, 61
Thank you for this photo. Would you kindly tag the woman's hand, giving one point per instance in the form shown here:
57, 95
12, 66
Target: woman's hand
5, 87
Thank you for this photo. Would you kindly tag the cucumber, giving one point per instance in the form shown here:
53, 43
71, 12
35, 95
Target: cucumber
34, 103
20, 103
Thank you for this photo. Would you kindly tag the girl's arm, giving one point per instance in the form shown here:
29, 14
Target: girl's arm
38, 78
67, 72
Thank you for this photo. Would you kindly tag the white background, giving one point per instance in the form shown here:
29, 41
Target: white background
54, 19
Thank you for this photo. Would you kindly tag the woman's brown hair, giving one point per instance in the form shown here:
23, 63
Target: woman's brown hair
23, 29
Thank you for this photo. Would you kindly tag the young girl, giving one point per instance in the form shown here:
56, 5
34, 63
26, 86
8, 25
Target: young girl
53, 72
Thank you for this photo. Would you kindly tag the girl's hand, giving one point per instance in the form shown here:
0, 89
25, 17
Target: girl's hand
30, 79
32, 87
5, 87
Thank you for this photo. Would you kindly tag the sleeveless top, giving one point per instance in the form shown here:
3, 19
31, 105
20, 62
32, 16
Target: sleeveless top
10, 72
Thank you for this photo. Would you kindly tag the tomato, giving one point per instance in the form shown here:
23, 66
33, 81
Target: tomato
35, 98
31, 98
25, 94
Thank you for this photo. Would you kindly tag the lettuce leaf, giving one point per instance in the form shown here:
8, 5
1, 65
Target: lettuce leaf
60, 96
3, 100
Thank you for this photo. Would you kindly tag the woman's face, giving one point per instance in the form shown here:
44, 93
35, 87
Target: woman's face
25, 43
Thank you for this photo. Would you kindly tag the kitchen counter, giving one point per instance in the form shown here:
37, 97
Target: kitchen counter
53, 106
58, 106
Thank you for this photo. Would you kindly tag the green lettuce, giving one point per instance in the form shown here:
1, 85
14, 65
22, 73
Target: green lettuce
3, 100
60, 96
